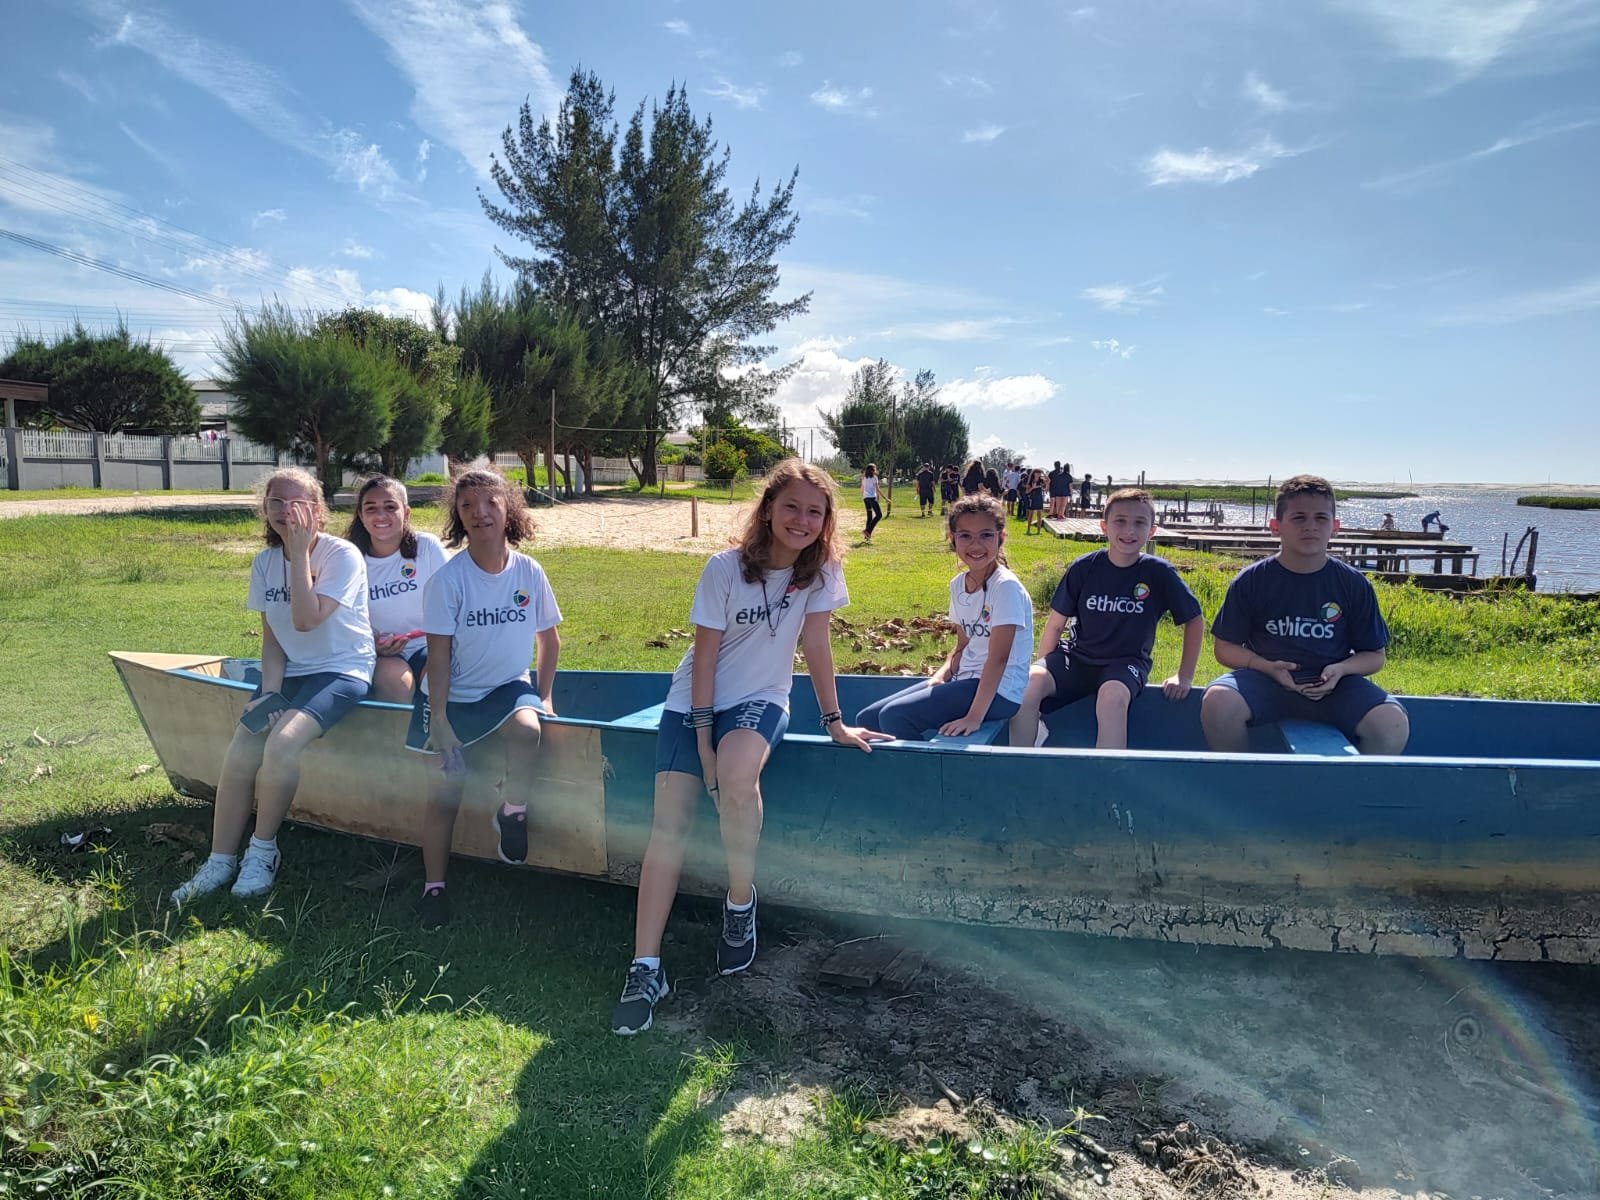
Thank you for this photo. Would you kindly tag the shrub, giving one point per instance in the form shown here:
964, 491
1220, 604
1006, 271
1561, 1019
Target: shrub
724, 462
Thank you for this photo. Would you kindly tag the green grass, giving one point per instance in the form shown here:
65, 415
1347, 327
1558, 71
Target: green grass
326, 1049
1244, 493
1572, 502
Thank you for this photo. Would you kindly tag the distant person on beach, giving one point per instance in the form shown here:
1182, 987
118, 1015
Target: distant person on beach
1300, 633
1085, 494
869, 497
317, 658
925, 482
1433, 519
1388, 523
1109, 604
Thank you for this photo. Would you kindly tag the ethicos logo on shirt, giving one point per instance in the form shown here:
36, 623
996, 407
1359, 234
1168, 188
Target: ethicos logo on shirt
1331, 611
408, 570
1141, 590
278, 596
501, 616
1118, 604
521, 597
382, 591
1304, 627
755, 614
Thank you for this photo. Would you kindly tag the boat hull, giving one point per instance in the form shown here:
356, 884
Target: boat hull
1494, 855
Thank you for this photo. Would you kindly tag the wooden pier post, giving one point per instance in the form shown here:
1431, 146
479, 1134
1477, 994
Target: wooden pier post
694, 516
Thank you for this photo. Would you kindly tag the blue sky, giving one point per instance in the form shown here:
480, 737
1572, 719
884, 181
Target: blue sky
1200, 238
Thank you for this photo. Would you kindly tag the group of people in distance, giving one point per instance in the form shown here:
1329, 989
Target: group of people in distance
386, 610
1028, 493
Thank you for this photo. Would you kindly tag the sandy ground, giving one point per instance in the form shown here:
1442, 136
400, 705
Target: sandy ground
624, 523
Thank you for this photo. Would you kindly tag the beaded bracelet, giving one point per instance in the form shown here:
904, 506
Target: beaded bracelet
699, 718
828, 719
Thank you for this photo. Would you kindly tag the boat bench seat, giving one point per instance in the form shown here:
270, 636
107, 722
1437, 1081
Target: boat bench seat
1313, 737
645, 718
984, 735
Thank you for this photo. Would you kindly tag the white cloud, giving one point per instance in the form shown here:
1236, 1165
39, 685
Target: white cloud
791, 58
1007, 392
1085, 13
362, 164
843, 100
822, 343
983, 133
275, 215
402, 302
1264, 96
313, 286
971, 85
1124, 297
1582, 296
1208, 166
818, 383
424, 148
1275, 312
1470, 36
1114, 348
471, 65
740, 97
1536, 130
678, 27
168, 163
965, 329
355, 249
858, 206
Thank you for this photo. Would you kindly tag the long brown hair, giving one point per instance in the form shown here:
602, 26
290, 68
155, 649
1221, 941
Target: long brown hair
980, 504
755, 543
519, 521
358, 535
306, 482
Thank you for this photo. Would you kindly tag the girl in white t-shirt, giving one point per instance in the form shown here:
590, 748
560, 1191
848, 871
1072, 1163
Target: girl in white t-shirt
869, 497
316, 664
987, 672
400, 561
728, 707
487, 613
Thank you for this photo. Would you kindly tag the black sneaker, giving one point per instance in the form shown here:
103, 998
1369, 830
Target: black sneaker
433, 910
646, 987
512, 831
736, 949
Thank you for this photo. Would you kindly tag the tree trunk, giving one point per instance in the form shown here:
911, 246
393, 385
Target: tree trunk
588, 470
529, 455
326, 473
647, 457
637, 473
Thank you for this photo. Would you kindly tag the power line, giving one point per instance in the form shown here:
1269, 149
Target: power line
99, 264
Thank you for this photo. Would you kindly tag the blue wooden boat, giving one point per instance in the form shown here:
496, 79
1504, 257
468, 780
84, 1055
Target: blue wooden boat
1482, 841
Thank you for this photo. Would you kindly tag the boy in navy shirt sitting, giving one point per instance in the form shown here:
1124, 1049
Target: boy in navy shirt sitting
1115, 599
1301, 632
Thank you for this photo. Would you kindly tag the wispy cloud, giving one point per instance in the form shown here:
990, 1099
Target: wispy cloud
1582, 296
678, 27
1264, 96
1086, 12
843, 100
1006, 392
471, 66
1206, 165
963, 329
355, 249
274, 215
1537, 130
358, 161
968, 84
168, 162
791, 58
1124, 297
983, 133
424, 148
858, 206
1470, 36
739, 97
1114, 348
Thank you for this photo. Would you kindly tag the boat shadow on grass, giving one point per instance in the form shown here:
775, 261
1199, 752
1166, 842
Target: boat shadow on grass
1393, 1075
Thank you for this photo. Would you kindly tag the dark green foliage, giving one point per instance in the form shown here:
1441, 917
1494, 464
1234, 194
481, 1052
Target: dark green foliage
1570, 502
103, 382
724, 461
760, 450
930, 430
638, 235
860, 426
310, 391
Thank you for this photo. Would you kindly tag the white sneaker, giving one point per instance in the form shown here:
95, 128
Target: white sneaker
213, 875
257, 871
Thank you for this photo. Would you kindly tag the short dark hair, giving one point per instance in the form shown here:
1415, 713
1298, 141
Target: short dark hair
1303, 485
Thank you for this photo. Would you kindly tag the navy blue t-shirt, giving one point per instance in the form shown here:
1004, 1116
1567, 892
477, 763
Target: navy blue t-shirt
1313, 620
1115, 610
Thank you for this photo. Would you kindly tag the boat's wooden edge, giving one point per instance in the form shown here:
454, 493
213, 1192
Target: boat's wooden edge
155, 661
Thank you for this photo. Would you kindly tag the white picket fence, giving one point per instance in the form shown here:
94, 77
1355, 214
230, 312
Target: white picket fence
134, 446
197, 449
54, 443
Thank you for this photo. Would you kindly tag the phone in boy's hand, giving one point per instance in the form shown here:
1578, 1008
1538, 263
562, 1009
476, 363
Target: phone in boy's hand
1305, 675
256, 719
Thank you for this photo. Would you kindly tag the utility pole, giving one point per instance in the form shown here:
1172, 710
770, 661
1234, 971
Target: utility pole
550, 463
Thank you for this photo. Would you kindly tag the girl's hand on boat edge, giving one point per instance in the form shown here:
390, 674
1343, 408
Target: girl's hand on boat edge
856, 737
961, 726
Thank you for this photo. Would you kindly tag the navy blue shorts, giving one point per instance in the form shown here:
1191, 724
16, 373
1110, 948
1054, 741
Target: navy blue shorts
678, 747
326, 696
1076, 679
473, 720
1352, 698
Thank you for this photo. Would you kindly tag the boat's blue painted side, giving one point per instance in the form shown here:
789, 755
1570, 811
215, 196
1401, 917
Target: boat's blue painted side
1483, 840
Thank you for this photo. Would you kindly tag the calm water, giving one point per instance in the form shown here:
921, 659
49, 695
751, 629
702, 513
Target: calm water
1569, 542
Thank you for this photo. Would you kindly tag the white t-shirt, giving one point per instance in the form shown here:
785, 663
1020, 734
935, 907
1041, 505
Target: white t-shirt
343, 643
491, 620
394, 589
760, 625
1001, 601
1011, 479
869, 487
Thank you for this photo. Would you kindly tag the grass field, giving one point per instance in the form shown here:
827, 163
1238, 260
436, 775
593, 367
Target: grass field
1582, 503
323, 1047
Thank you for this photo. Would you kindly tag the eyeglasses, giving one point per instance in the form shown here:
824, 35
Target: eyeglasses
278, 503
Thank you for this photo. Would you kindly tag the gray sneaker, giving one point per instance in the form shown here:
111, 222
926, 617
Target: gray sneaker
257, 870
213, 875
646, 987
736, 949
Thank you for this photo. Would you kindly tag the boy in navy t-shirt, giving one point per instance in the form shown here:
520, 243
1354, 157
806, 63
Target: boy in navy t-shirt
1115, 599
1301, 632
